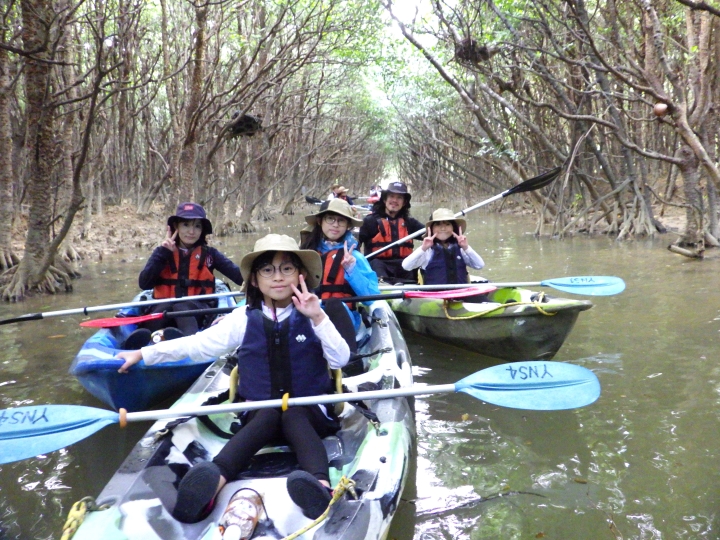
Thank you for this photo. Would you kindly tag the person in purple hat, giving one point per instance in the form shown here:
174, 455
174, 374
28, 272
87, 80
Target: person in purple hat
389, 221
182, 266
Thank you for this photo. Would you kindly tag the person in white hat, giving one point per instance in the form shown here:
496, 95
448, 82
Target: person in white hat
445, 254
284, 343
346, 271
388, 222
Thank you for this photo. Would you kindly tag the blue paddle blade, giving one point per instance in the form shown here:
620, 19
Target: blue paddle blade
26, 432
534, 385
590, 285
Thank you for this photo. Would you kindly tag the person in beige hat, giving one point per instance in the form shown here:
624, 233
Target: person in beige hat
284, 343
346, 271
445, 253
342, 193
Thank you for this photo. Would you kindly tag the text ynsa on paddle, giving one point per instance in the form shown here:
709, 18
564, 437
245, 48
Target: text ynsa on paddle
583, 279
529, 372
23, 417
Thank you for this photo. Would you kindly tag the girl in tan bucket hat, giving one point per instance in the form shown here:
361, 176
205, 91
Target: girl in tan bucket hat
284, 343
445, 253
346, 271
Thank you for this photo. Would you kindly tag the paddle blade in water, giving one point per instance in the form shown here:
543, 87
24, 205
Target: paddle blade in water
533, 385
26, 432
589, 285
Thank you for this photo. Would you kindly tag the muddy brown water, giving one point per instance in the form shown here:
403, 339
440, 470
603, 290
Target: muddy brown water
642, 462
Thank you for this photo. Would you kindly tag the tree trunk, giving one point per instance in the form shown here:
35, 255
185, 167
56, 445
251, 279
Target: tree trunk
8, 258
37, 21
689, 168
188, 154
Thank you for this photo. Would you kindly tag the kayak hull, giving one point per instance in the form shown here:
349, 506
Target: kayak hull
142, 492
511, 326
96, 367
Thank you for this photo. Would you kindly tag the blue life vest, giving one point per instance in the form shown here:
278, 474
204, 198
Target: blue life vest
446, 266
278, 358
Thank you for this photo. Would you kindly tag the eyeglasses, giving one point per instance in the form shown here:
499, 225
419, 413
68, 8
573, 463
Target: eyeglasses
268, 271
331, 220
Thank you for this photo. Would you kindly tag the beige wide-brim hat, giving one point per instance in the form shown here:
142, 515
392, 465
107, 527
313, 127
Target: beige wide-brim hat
337, 206
281, 242
445, 214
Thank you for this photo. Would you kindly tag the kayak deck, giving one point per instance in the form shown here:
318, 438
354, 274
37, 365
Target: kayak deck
142, 492
514, 324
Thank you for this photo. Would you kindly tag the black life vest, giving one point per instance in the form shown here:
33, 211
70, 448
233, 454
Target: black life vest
278, 358
446, 266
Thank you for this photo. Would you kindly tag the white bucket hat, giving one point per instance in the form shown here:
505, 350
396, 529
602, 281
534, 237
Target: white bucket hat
445, 214
337, 206
281, 242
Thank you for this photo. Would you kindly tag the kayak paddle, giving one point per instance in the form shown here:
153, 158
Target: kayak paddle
110, 307
532, 184
111, 322
589, 285
29, 431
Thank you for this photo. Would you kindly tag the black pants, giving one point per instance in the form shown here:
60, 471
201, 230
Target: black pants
187, 325
391, 271
338, 315
303, 428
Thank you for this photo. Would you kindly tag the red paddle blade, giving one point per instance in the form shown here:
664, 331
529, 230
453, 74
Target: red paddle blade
452, 293
110, 322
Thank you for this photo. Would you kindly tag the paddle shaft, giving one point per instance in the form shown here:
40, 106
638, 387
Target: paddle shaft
532, 385
587, 285
458, 286
529, 185
292, 402
214, 311
111, 322
110, 307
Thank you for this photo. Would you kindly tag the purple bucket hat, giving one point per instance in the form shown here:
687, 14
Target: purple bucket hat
189, 210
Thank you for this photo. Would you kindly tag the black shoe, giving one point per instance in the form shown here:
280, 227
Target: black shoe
172, 333
308, 493
196, 493
138, 339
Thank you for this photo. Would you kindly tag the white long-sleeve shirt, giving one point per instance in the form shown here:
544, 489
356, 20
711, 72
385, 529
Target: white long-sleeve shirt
228, 334
420, 259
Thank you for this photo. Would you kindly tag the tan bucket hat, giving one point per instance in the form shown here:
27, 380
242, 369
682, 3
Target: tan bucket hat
281, 242
445, 214
338, 206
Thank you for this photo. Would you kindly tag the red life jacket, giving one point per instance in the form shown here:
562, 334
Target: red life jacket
333, 283
389, 231
186, 276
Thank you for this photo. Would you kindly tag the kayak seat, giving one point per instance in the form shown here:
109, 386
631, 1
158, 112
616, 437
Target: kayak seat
272, 461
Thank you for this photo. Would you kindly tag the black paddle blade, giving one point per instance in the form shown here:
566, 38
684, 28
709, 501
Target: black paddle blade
535, 183
312, 200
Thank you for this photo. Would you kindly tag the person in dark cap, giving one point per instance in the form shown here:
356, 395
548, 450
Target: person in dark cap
182, 266
388, 222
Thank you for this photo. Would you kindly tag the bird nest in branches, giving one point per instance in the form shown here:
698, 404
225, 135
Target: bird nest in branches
244, 125
470, 51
